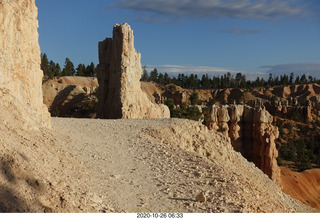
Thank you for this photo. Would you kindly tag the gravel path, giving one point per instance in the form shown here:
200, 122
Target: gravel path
125, 168
133, 175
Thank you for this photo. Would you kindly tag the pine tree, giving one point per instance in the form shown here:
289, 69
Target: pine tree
44, 63
194, 98
91, 70
57, 70
166, 78
145, 76
68, 69
154, 75
51, 69
81, 70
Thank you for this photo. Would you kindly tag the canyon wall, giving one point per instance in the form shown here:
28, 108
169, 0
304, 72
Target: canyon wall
119, 72
251, 133
20, 73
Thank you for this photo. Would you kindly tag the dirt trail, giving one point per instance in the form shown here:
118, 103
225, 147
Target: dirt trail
133, 175
84, 165
128, 167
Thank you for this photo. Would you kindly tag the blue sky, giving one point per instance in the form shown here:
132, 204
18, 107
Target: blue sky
255, 37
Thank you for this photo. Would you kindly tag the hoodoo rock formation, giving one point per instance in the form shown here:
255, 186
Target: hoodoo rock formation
251, 133
20, 73
119, 73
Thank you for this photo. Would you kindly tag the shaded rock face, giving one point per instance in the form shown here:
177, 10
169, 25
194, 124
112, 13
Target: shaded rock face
119, 73
20, 73
71, 96
177, 94
251, 133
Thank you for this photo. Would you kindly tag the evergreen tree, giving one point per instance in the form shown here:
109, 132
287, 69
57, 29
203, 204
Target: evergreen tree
57, 70
91, 70
145, 76
270, 80
51, 69
154, 75
68, 69
81, 70
44, 64
194, 98
303, 79
291, 78
166, 79
205, 82
160, 79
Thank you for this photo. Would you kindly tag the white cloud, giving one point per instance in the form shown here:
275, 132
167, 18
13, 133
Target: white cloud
243, 31
312, 69
174, 70
244, 9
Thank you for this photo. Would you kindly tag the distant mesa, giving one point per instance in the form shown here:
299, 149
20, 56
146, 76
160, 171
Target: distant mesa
119, 72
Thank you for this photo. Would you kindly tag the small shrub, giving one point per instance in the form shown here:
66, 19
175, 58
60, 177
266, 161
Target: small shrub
222, 129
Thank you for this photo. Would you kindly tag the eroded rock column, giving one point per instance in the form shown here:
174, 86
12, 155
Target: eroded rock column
251, 133
119, 73
20, 73
265, 152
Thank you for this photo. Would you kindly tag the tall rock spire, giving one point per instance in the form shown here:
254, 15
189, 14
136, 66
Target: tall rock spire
20, 73
119, 73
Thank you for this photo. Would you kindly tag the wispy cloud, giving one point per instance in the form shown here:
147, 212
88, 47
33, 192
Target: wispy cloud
297, 68
174, 70
243, 31
244, 9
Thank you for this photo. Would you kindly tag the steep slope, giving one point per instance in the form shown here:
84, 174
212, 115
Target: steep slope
304, 186
130, 166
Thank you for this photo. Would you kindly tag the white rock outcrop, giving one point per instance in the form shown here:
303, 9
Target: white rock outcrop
119, 72
20, 73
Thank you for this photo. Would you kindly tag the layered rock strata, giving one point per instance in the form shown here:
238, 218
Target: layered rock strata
20, 73
251, 133
119, 73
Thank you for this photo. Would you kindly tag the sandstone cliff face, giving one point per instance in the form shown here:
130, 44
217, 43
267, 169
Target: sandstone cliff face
20, 73
119, 73
251, 133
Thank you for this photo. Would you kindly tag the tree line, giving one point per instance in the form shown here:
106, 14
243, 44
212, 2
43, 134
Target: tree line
51, 69
193, 81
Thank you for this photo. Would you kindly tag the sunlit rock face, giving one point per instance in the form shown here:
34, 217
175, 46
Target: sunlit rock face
20, 73
119, 73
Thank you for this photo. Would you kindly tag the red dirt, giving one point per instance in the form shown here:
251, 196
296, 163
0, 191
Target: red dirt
304, 186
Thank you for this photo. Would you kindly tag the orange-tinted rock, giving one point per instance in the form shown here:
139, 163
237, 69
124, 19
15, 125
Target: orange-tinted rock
251, 133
